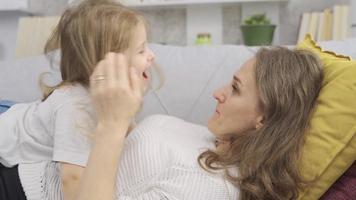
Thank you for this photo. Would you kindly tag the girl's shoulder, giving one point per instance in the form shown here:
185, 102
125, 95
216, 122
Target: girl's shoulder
69, 94
73, 90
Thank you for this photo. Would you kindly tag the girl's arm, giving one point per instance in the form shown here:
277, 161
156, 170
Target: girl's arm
70, 179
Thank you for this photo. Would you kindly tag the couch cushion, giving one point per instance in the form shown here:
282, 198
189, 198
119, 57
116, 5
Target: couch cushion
330, 146
343, 47
19, 79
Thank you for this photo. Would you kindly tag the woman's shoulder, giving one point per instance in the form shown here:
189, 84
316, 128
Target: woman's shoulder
172, 134
171, 126
168, 121
160, 121
149, 128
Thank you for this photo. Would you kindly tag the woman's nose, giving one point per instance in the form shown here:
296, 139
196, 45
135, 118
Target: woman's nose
219, 95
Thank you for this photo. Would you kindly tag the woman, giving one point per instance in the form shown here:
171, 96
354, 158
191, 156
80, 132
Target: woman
260, 121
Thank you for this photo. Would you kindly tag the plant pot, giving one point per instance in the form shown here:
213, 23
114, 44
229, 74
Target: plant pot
258, 35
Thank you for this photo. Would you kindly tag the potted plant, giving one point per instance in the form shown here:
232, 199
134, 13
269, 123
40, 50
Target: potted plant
257, 30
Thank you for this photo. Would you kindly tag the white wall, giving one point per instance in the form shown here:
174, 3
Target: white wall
289, 16
202, 19
353, 17
8, 31
9, 20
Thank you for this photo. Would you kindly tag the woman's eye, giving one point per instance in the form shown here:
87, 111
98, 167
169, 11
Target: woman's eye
235, 88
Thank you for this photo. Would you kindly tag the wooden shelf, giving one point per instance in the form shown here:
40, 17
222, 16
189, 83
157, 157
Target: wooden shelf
168, 3
206, 16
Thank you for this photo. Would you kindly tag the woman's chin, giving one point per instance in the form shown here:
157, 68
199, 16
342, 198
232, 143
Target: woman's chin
212, 126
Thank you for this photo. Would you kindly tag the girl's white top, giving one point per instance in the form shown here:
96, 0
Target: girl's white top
56, 129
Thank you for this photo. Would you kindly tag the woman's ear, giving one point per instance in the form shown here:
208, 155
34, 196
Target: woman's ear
260, 122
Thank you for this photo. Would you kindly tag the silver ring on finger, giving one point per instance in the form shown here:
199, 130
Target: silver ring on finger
99, 78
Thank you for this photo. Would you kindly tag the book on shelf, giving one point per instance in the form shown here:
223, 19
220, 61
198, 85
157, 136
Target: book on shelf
313, 24
304, 26
345, 22
330, 24
325, 26
337, 22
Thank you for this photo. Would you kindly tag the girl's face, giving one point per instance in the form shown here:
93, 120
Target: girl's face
141, 56
238, 107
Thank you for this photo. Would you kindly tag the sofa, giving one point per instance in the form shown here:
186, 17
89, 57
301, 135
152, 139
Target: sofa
191, 74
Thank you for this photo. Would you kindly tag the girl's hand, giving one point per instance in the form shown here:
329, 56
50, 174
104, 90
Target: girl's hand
116, 90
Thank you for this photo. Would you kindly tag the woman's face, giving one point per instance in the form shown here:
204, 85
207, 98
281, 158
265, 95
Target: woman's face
141, 57
238, 107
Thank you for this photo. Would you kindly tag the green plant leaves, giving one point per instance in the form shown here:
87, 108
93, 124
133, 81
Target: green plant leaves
257, 19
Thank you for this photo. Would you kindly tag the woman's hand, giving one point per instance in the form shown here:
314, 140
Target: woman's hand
116, 90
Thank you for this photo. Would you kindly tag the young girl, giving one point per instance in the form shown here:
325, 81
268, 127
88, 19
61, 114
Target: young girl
58, 127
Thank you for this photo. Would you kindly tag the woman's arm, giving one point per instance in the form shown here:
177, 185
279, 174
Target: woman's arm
117, 92
99, 177
72, 174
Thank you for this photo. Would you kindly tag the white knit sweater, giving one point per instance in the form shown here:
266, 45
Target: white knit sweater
159, 161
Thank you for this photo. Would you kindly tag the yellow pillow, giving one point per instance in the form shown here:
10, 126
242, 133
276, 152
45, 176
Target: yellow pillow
330, 146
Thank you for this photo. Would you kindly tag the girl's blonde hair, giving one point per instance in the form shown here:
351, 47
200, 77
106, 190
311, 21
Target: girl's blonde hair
268, 159
85, 33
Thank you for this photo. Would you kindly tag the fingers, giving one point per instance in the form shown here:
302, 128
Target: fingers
116, 88
111, 68
97, 75
122, 73
114, 71
136, 82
